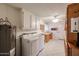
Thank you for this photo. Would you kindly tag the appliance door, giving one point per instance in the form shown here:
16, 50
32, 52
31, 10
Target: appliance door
41, 42
35, 46
26, 47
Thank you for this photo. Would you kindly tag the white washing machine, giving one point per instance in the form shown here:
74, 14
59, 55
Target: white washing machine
32, 45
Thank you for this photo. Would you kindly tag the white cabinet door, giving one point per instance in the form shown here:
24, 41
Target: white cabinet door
26, 47
26, 17
30, 22
27, 22
33, 22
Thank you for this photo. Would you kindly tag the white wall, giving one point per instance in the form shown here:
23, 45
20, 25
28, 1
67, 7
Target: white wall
13, 14
60, 32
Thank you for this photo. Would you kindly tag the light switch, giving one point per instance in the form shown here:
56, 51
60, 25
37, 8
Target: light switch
75, 25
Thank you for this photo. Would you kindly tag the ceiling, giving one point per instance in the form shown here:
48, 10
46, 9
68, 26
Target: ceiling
43, 9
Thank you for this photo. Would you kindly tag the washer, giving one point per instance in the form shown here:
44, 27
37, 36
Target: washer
32, 44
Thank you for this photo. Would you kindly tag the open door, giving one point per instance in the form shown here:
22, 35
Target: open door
72, 29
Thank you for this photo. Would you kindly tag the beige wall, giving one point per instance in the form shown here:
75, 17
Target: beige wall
13, 14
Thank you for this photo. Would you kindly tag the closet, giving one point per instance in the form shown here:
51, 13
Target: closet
7, 38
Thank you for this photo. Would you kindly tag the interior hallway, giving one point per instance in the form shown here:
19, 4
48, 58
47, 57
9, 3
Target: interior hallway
53, 48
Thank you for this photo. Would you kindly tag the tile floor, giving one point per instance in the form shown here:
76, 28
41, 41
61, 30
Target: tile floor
53, 48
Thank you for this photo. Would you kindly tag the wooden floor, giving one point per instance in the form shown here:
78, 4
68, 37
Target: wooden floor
53, 48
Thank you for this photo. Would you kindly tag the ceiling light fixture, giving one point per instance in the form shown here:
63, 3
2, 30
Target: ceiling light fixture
55, 20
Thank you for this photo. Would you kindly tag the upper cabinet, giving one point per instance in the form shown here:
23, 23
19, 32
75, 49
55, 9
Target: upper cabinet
30, 21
